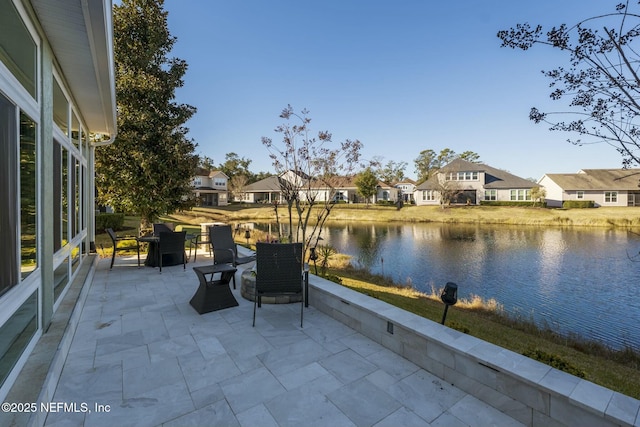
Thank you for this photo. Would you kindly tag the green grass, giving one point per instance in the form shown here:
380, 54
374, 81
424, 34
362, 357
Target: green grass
616, 370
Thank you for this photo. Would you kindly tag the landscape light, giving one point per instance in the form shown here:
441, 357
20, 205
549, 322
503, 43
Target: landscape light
449, 297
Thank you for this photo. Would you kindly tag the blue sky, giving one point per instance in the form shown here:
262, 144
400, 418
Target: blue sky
399, 75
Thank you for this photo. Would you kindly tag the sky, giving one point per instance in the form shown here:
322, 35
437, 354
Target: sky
401, 76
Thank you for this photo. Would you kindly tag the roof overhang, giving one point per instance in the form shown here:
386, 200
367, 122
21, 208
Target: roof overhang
80, 33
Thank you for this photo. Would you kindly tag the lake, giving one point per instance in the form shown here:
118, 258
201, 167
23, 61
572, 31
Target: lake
578, 281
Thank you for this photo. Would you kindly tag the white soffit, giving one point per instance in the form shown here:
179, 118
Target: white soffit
80, 33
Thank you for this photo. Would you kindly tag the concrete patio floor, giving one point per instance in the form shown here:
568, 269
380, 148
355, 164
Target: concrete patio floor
142, 356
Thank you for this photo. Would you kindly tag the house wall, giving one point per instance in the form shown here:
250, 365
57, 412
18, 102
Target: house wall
47, 199
555, 194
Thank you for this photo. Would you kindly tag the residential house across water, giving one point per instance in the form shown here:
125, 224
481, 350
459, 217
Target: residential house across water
605, 187
463, 182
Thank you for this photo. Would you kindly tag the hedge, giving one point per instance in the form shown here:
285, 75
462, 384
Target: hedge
512, 203
569, 204
109, 220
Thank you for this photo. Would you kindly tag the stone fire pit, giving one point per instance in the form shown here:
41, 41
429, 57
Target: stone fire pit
248, 288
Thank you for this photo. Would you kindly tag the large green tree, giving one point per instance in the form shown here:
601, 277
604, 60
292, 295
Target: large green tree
600, 83
149, 168
367, 184
235, 165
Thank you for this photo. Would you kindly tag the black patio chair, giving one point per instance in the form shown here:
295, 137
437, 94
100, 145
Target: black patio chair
225, 249
172, 242
279, 269
115, 239
160, 227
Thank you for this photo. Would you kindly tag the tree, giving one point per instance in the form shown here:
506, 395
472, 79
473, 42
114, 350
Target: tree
367, 184
428, 162
205, 162
470, 156
538, 194
149, 167
391, 172
600, 84
236, 186
447, 190
235, 165
310, 172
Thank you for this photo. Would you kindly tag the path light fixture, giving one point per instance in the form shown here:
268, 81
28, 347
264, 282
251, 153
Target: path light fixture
313, 256
449, 297
247, 235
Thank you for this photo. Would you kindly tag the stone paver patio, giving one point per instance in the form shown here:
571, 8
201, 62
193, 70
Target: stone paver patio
142, 356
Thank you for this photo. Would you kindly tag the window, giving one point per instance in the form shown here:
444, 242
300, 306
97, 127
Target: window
60, 108
610, 196
520, 195
197, 182
580, 195
16, 332
28, 196
429, 195
18, 51
491, 195
8, 194
462, 176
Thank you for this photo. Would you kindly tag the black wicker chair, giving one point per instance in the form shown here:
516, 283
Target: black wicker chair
172, 242
160, 227
115, 239
225, 249
278, 272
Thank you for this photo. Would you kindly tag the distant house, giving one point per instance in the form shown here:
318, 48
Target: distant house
340, 189
266, 190
463, 182
211, 187
406, 189
605, 187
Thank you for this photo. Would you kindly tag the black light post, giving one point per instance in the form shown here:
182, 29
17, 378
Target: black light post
247, 235
449, 297
313, 256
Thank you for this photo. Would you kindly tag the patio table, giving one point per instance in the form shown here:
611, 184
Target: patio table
167, 259
213, 294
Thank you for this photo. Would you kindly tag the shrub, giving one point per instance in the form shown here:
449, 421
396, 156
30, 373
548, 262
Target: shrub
580, 204
109, 220
554, 361
512, 203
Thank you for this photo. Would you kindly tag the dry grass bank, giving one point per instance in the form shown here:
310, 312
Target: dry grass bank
624, 217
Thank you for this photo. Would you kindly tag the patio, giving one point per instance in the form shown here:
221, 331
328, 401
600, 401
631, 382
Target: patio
142, 356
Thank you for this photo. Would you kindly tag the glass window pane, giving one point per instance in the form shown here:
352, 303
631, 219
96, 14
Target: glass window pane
28, 197
57, 196
65, 196
60, 108
17, 333
60, 278
17, 48
8, 195
75, 130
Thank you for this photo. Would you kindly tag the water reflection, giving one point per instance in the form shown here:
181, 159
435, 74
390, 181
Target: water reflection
574, 280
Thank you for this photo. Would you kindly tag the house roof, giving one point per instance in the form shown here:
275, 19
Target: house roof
493, 178
81, 35
271, 183
598, 179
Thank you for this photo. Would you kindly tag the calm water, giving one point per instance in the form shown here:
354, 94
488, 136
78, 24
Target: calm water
579, 281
